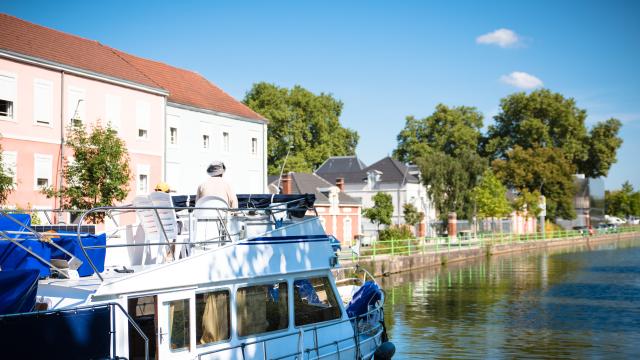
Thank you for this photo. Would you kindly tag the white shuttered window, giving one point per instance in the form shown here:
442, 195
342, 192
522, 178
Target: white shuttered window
42, 102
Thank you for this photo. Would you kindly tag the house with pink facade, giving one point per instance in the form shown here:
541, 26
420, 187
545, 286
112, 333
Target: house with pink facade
339, 213
49, 79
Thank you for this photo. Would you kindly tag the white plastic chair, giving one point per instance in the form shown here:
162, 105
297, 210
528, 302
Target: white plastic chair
153, 254
210, 224
169, 222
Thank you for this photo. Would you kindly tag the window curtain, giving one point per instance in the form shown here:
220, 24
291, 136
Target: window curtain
215, 318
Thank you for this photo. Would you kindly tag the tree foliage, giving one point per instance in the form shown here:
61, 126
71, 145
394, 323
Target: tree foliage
490, 197
445, 147
452, 130
99, 174
527, 203
540, 141
411, 215
305, 123
624, 202
6, 180
381, 211
540, 169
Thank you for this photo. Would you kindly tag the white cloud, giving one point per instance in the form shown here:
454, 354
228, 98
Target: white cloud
501, 37
521, 80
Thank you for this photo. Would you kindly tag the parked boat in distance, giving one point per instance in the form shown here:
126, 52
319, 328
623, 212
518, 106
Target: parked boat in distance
204, 282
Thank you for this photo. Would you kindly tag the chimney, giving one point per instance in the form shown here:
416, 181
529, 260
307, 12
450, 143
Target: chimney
286, 184
340, 183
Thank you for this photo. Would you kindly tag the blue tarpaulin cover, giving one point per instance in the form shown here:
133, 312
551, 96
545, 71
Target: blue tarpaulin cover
82, 333
13, 257
9, 225
18, 290
367, 295
70, 243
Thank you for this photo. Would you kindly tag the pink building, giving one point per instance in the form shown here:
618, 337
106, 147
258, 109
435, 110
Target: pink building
49, 79
339, 213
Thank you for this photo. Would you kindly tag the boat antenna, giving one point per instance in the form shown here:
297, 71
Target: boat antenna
289, 147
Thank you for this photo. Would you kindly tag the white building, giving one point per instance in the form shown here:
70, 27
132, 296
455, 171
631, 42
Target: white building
203, 123
387, 175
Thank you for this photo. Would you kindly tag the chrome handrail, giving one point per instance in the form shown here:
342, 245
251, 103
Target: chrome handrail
353, 320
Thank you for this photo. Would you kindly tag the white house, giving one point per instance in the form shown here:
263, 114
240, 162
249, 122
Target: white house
388, 175
203, 123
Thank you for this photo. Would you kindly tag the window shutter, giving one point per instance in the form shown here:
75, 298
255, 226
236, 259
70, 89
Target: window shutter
42, 101
7, 87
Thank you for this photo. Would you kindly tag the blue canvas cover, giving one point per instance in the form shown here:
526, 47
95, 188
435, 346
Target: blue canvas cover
367, 295
70, 243
13, 257
9, 225
18, 290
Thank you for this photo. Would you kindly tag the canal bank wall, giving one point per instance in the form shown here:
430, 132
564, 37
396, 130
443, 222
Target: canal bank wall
391, 264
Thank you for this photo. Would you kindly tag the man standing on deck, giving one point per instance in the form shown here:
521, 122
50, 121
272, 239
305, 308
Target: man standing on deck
217, 186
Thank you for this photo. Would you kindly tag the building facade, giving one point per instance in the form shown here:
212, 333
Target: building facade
389, 176
340, 214
172, 120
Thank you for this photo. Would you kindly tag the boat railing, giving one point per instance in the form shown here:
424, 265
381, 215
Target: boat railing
81, 219
372, 333
114, 310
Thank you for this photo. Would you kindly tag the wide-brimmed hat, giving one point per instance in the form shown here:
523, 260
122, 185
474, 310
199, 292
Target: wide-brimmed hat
216, 168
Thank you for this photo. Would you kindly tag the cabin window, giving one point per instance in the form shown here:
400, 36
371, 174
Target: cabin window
314, 301
212, 317
143, 312
262, 309
179, 324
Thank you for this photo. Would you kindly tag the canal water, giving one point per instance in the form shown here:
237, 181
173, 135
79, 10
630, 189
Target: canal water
578, 303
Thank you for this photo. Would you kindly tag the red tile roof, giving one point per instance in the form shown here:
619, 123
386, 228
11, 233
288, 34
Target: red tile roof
189, 88
184, 87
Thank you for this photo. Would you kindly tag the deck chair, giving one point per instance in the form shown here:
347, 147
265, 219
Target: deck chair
169, 223
153, 254
210, 224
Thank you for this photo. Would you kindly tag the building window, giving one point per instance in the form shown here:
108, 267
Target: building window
10, 162
7, 96
254, 146
43, 168
205, 142
113, 106
76, 106
143, 179
314, 301
212, 317
143, 114
42, 101
173, 136
262, 308
225, 141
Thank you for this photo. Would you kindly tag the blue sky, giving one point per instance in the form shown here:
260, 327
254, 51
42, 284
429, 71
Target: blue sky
386, 60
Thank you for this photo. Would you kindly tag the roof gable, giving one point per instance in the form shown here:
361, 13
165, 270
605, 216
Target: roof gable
393, 171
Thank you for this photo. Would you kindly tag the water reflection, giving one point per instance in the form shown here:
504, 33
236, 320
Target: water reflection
574, 303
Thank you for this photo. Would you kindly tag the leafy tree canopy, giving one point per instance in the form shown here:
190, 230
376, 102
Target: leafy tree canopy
381, 211
411, 215
490, 197
445, 147
99, 174
451, 130
306, 123
624, 202
545, 119
541, 169
6, 180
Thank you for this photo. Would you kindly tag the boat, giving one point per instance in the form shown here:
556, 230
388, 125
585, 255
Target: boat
204, 282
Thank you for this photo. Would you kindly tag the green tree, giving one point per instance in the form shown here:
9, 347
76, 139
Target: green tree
380, 213
411, 215
547, 124
624, 202
445, 147
99, 174
490, 197
451, 130
302, 123
6, 180
527, 203
540, 169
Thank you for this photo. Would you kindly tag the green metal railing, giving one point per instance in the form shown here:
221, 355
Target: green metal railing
426, 245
